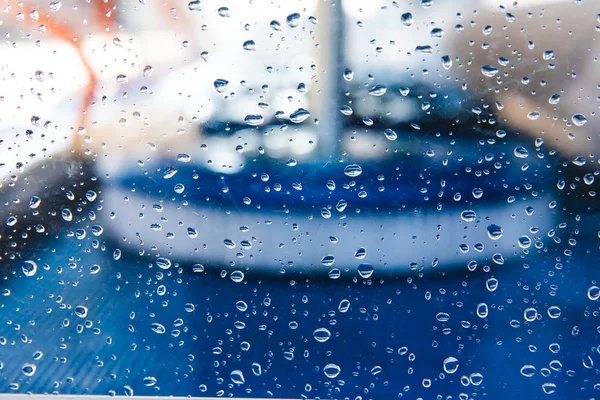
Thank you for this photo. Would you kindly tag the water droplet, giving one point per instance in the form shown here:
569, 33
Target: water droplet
29, 369
579, 119
149, 381
436, 33
390, 134
482, 310
195, 5
378, 90
407, 19
249, 45
224, 12
365, 270
221, 85
293, 20
376, 370
494, 231
348, 74
593, 293
468, 215
230, 244
147, 71
554, 312
548, 55
528, 370
275, 25
353, 170
299, 115
579, 161
11, 221
344, 306
94, 269
55, 6
549, 387
81, 311
328, 260
450, 365
321, 334
169, 173
254, 119
35, 202
489, 71
158, 328
530, 314
360, 253
491, 284
524, 242
237, 377
425, 49
256, 369
477, 193
163, 263
554, 99
237, 276
446, 62
331, 370
521, 152
29, 268
179, 188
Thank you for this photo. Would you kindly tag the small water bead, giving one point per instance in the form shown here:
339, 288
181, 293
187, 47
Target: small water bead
35, 202
593, 293
489, 71
237, 377
237, 276
524, 242
293, 20
579, 119
494, 231
249, 45
179, 188
81, 311
192, 233
195, 5
450, 365
158, 328
170, 172
521, 152
548, 55
534, 115
390, 134
198, 268
476, 378
407, 19
163, 263
365, 270
491, 284
321, 335
554, 312
230, 244
346, 110
328, 260
530, 314
436, 33
220, 85
66, 214
353, 170
468, 215
256, 369
29, 369
360, 253
528, 370
300, 115
348, 74
331, 370
341, 205
254, 119
549, 387
149, 381
446, 62
224, 12
554, 99
344, 306
477, 193
482, 310
378, 90
29, 268
275, 25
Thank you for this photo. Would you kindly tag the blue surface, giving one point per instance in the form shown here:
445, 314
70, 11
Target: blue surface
383, 317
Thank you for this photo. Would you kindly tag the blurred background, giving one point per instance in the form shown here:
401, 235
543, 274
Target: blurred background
222, 199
